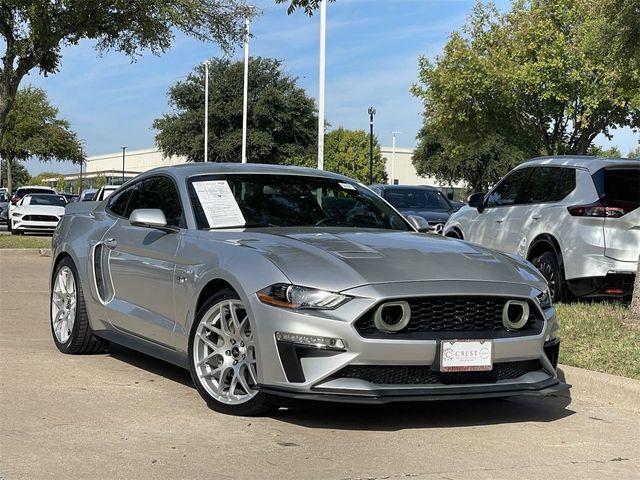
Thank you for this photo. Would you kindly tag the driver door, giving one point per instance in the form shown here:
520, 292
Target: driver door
142, 264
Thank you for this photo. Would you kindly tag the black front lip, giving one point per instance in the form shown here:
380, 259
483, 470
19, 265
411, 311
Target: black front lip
546, 387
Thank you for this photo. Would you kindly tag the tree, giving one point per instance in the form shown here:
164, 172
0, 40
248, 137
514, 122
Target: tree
281, 120
33, 129
34, 31
309, 6
61, 183
19, 173
42, 177
613, 152
634, 153
538, 80
100, 181
347, 152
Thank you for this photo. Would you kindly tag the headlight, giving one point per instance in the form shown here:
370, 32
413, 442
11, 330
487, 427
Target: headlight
544, 299
295, 297
16, 215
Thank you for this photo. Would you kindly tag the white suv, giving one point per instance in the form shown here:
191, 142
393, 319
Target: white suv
577, 219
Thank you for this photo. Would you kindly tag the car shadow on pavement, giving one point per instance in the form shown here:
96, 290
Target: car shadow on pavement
151, 365
386, 417
435, 414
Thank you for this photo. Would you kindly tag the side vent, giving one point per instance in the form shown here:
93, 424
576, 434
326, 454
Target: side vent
101, 273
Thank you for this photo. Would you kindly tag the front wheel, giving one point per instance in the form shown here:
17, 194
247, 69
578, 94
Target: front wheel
69, 319
547, 264
222, 357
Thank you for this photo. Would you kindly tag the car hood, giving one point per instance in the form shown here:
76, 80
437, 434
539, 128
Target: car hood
428, 215
39, 210
338, 259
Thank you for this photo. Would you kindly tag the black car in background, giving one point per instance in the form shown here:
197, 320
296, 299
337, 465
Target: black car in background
418, 200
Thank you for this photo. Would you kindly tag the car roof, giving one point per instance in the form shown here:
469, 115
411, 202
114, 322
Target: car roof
37, 187
592, 164
186, 170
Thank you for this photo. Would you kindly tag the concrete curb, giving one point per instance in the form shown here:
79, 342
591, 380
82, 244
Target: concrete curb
25, 252
602, 388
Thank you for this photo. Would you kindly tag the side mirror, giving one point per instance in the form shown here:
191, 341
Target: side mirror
151, 218
419, 223
476, 200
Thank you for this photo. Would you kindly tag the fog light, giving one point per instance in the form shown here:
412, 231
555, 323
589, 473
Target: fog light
392, 316
312, 341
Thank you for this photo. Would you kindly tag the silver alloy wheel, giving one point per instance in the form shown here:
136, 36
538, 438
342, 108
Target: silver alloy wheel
224, 353
64, 299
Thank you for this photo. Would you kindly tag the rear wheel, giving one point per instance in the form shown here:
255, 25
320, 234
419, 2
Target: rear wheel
547, 263
69, 320
222, 357
454, 234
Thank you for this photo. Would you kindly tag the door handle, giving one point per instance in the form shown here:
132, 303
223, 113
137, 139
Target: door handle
499, 220
110, 243
536, 217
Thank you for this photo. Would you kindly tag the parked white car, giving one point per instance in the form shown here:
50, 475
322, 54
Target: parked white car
575, 218
37, 213
26, 190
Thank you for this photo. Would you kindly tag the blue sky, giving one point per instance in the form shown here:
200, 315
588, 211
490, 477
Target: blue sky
372, 60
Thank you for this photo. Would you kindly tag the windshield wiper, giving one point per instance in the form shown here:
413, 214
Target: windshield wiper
246, 225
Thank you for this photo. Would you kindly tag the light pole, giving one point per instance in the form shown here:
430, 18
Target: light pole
372, 112
323, 30
245, 90
393, 157
123, 149
81, 162
206, 110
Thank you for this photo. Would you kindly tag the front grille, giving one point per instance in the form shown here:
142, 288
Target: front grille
40, 218
453, 317
423, 375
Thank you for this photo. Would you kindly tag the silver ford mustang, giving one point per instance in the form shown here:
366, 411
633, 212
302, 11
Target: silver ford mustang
270, 282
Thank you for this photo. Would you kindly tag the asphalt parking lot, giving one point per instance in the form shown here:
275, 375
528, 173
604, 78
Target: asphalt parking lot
124, 415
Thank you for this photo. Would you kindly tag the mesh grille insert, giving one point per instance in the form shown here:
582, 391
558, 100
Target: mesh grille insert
444, 317
423, 375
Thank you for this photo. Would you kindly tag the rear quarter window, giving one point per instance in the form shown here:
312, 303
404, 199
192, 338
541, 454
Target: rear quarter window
622, 184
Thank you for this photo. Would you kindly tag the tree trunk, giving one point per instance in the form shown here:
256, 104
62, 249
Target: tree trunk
634, 314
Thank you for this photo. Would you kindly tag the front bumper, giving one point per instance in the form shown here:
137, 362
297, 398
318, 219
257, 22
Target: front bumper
304, 372
33, 226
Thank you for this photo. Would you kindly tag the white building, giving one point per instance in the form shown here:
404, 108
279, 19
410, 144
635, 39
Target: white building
399, 167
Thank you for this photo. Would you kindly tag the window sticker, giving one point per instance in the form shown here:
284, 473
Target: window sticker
219, 204
346, 186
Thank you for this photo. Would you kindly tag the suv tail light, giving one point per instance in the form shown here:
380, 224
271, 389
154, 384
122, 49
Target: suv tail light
602, 208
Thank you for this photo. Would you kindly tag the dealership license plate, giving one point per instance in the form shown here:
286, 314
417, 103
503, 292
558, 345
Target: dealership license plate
466, 355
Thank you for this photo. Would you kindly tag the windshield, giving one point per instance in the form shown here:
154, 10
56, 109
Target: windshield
421, 198
233, 200
53, 200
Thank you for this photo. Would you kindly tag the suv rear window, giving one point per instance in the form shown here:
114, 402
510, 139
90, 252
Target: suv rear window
21, 192
622, 184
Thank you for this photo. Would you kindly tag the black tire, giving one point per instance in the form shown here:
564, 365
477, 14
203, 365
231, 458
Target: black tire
81, 340
16, 232
259, 404
454, 234
9, 226
547, 264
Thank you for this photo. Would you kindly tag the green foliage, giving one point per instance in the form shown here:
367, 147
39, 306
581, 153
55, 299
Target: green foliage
33, 129
347, 152
634, 153
33, 31
537, 80
613, 152
100, 181
61, 184
281, 120
19, 174
309, 6
42, 177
